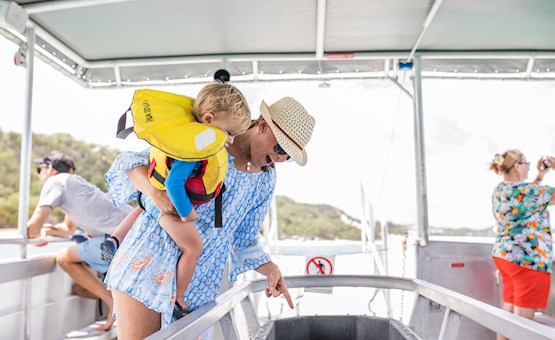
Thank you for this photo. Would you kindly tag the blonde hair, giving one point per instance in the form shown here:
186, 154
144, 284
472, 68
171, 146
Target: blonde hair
503, 163
224, 101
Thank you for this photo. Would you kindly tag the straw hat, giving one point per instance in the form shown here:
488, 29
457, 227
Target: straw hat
292, 126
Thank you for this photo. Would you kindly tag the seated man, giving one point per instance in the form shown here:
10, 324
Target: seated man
85, 206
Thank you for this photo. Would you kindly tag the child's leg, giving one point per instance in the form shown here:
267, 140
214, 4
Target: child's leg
109, 247
186, 237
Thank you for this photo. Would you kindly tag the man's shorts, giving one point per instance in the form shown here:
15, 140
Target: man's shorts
89, 251
523, 287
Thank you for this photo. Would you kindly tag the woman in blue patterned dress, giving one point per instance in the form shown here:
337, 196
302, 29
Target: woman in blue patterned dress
142, 274
523, 247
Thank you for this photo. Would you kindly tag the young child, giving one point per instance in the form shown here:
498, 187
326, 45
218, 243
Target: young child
221, 106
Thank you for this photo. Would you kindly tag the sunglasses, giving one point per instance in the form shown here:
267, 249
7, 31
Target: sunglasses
279, 150
40, 167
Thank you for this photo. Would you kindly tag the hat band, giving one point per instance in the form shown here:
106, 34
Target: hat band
286, 134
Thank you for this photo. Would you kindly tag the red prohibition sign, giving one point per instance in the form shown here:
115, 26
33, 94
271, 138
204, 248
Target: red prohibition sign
319, 266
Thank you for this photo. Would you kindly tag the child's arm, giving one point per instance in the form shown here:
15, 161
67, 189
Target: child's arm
139, 178
125, 225
175, 186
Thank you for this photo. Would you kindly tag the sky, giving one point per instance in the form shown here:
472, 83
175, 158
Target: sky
363, 136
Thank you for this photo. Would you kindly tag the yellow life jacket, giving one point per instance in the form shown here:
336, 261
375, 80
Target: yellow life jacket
166, 121
203, 186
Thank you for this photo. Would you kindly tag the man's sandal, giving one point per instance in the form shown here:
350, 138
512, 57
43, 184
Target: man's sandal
108, 249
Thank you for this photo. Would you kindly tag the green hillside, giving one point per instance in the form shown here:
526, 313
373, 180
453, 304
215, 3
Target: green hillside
309, 221
92, 162
314, 221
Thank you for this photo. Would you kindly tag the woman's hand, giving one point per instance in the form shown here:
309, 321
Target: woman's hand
276, 282
543, 166
549, 161
139, 178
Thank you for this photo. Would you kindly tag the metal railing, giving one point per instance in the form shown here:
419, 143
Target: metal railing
23, 243
456, 306
26, 268
19, 240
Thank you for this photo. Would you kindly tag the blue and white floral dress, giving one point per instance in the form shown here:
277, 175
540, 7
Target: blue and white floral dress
145, 265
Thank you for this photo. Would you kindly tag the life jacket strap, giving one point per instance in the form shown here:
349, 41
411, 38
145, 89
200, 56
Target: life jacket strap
122, 132
199, 197
139, 203
192, 195
218, 207
158, 177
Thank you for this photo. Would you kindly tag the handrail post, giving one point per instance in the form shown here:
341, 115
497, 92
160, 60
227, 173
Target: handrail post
25, 170
421, 187
26, 143
251, 316
450, 325
419, 314
228, 327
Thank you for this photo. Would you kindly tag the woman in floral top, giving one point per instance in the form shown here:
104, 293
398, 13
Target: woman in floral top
523, 247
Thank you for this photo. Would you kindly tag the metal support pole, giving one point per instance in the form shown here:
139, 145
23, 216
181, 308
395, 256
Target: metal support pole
320, 28
419, 315
450, 326
229, 328
27, 284
429, 18
251, 316
364, 225
25, 171
385, 256
371, 223
421, 193
26, 142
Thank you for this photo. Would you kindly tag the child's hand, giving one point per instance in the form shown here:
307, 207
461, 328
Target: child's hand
191, 217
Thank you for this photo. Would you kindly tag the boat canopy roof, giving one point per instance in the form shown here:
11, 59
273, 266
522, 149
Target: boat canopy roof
114, 43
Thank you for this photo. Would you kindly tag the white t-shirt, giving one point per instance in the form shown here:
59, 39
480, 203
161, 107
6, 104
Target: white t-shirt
86, 205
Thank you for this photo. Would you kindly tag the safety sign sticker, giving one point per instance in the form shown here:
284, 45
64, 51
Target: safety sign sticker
319, 265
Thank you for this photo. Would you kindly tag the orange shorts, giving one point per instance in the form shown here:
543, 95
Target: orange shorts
523, 287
